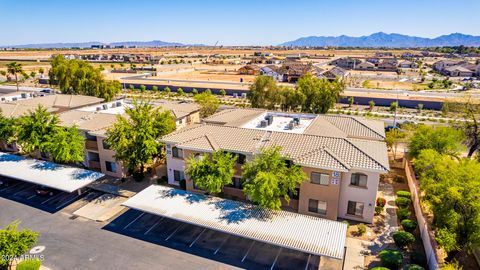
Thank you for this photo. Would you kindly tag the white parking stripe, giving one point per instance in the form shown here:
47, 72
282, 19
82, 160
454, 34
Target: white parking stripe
181, 225
31, 196
197, 237
23, 189
8, 187
67, 202
248, 251
221, 245
276, 258
131, 222
154, 225
53, 197
308, 261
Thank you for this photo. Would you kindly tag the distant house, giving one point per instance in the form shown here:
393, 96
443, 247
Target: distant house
293, 70
407, 64
457, 71
274, 61
346, 62
365, 66
374, 61
334, 73
478, 70
469, 66
249, 70
271, 71
442, 64
383, 54
387, 65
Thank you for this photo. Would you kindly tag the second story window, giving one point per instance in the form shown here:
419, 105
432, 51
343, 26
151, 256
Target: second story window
359, 180
177, 152
241, 158
319, 178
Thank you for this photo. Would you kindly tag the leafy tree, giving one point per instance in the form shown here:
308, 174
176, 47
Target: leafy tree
180, 92
33, 74
267, 178
35, 128
79, 77
7, 128
371, 105
14, 68
134, 138
211, 172
320, 94
208, 103
155, 88
14, 242
41, 71
444, 140
66, 145
291, 99
167, 90
393, 137
264, 93
393, 106
194, 91
451, 188
3, 73
350, 101
471, 112
222, 92
420, 107
143, 88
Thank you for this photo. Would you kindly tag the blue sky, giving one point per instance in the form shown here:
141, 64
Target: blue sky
245, 22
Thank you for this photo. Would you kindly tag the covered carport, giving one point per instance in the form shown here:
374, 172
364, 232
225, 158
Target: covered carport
287, 230
44, 173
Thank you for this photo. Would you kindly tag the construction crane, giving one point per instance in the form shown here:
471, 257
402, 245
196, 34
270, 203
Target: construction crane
208, 57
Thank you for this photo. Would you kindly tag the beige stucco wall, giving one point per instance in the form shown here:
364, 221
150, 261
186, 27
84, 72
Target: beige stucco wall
328, 193
366, 195
108, 155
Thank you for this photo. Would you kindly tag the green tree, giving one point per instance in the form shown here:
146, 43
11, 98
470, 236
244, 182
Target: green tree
350, 101
66, 145
208, 103
14, 243
155, 88
320, 94
371, 105
393, 137
267, 178
194, 91
14, 68
135, 138
7, 128
35, 128
393, 106
80, 77
444, 140
264, 93
180, 92
291, 99
33, 74
222, 92
41, 71
143, 88
211, 172
167, 90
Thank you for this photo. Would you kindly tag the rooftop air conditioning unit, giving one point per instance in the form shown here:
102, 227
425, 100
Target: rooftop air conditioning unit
119, 103
263, 123
296, 120
114, 105
105, 106
3, 99
244, 95
269, 119
23, 95
99, 108
235, 95
14, 99
290, 125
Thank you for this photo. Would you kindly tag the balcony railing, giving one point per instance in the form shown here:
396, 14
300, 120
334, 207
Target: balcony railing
91, 145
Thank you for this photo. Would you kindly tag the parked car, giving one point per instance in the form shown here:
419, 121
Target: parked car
44, 191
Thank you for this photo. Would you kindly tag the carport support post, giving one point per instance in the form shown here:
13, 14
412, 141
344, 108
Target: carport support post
79, 191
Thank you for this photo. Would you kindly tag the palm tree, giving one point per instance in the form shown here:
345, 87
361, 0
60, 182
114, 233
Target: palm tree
14, 68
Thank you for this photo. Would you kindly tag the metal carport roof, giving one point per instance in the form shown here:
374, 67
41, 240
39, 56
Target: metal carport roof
299, 232
62, 177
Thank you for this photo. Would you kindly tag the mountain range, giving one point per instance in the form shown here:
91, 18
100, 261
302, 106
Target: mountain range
141, 44
385, 40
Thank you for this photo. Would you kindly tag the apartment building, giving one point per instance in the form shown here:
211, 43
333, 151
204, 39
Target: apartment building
94, 121
342, 156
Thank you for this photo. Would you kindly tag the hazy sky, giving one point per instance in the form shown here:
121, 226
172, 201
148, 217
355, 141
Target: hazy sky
231, 22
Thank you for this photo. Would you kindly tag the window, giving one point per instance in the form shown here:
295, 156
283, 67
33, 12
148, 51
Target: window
316, 206
236, 183
355, 208
358, 179
294, 196
178, 175
319, 178
241, 158
111, 166
177, 152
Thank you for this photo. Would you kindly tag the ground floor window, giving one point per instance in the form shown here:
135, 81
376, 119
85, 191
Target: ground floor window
236, 183
111, 166
355, 208
178, 175
316, 206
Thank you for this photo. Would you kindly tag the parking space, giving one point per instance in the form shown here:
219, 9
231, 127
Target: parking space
47, 199
234, 250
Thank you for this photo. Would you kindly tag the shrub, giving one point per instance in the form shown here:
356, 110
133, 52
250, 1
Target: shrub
29, 265
409, 225
391, 258
194, 91
381, 202
404, 194
346, 222
378, 210
361, 228
402, 202
399, 179
155, 88
451, 266
413, 267
403, 213
222, 92
403, 239
418, 258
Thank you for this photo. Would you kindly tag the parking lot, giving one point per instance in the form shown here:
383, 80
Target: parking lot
49, 200
230, 249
